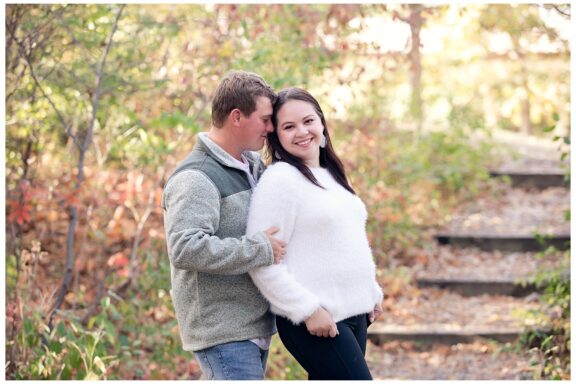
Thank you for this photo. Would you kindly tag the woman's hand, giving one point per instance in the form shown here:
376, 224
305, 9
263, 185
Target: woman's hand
320, 324
376, 312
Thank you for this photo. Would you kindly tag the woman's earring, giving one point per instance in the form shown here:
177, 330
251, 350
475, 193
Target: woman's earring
323, 141
276, 155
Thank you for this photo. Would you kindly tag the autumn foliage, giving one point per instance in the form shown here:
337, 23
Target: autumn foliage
102, 101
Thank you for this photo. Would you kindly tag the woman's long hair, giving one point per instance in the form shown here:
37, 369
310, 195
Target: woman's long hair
328, 158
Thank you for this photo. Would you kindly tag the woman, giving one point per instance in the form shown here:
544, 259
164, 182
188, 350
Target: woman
325, 292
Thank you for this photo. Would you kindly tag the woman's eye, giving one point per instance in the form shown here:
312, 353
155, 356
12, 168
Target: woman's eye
308, 121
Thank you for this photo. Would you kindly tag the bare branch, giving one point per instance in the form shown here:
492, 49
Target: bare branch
82, 147
401, 18
558, 8
16, 85
27, 57
99, 77
138, 236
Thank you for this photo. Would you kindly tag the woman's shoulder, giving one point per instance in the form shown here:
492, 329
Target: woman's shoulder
281, 171
279, 182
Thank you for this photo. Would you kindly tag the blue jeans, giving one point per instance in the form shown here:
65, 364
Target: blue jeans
238, 360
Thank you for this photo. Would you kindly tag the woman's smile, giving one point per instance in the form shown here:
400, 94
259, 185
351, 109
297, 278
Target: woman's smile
299, 131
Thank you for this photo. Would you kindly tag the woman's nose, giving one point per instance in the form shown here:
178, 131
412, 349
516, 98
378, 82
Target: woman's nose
302, 129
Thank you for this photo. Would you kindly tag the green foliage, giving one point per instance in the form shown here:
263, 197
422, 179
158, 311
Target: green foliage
11, 273
450, 161
145, 323
111, 344
67, 352
410, 184
552, 347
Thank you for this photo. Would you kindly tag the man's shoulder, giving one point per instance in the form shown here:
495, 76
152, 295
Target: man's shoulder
196, 167
200, 161
227, 180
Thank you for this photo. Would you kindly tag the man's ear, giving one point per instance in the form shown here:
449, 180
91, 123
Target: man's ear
235, 116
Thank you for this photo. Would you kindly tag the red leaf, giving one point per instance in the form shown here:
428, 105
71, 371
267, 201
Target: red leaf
118, 260
19, 213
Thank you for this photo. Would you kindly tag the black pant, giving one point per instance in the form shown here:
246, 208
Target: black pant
326, 358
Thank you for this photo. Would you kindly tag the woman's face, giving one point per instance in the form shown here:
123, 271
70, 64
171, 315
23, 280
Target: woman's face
300, 130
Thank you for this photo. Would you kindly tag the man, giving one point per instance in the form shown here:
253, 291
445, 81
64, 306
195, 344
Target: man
221, 314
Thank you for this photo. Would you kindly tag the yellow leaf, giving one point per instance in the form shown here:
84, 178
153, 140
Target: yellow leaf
100, 364
91, 376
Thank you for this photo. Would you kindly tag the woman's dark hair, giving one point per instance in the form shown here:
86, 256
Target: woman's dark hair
328, 158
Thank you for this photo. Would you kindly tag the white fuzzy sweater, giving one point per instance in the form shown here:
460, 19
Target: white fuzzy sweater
328, 259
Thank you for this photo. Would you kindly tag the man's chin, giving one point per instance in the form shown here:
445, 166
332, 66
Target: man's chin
257, 147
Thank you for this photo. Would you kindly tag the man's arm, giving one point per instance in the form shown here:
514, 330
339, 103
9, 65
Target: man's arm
192, 216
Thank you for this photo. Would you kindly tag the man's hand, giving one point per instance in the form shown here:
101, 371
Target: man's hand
376, 312
278, 246
320, 324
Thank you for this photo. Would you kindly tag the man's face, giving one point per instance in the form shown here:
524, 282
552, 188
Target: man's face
255, 127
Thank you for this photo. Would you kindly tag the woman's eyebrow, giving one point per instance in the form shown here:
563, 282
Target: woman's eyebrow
303, 118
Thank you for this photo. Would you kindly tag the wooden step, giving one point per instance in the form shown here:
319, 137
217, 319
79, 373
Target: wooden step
380, 333
432, 315
476, 287
504, 243
533, 180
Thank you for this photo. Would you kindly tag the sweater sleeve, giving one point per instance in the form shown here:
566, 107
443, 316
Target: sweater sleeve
274, 203
191, 218
379, 293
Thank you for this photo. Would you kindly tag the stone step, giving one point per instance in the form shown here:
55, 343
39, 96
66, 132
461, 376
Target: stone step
468, 287
505, 242
380, 333
533, 180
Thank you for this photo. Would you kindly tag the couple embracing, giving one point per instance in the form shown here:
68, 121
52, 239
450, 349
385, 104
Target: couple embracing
255, 249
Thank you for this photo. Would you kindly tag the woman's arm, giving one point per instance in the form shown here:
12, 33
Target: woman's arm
275, 204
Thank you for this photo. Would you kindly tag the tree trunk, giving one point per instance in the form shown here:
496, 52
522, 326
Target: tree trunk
526, 127
415, 20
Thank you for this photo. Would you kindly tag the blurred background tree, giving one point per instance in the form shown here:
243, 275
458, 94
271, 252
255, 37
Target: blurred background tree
103, 100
